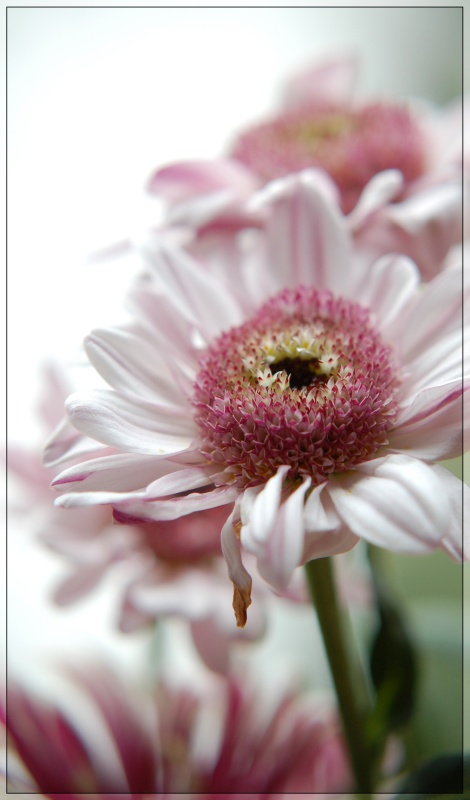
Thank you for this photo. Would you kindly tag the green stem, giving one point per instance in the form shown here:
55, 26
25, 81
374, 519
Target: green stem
351, 689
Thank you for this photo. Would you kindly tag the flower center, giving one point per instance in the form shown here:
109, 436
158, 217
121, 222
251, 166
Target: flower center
352, 145
307, 382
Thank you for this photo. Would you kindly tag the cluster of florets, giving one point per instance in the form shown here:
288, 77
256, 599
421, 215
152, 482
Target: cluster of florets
351, 145
307, 383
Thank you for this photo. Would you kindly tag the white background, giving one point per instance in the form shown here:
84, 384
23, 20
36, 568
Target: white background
97, 98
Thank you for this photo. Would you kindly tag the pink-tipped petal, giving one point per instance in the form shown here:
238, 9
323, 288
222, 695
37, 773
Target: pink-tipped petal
187, 179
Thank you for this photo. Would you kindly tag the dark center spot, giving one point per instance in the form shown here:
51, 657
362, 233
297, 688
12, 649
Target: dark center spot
302, 373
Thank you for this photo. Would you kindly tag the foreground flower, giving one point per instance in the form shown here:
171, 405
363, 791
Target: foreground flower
225, 740
395, 168
305, 390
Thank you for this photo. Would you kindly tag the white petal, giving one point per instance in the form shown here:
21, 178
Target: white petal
435, 314
380, 190
456, 541
121, 472
209, 304
66, 443
260, 509
394, 502
131, 364
182, 480
431, 426
281, 552
307, 240
173, 508
389, 285
133, 427
167, 326
325, 532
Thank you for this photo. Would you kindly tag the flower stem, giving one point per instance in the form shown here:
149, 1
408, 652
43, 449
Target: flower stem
350, 685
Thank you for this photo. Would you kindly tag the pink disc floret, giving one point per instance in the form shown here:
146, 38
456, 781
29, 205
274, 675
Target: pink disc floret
307, 382
351, 145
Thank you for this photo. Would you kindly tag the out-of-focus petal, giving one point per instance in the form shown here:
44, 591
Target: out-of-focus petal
331, 81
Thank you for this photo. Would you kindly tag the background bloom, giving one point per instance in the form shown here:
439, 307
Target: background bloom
175, 740
345, 452
395, 167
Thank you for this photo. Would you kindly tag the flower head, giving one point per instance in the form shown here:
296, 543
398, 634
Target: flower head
224, 739
304, 390
350, 144
395, 168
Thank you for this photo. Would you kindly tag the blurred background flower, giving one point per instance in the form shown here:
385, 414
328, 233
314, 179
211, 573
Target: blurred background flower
98, 99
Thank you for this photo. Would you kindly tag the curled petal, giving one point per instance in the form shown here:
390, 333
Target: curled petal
239, 576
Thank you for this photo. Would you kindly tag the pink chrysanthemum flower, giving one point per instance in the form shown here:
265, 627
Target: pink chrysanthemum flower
171, 742
350, 144
394, 168
282, 374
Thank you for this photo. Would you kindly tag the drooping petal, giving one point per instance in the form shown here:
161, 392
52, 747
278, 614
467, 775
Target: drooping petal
396, 502
239, 576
